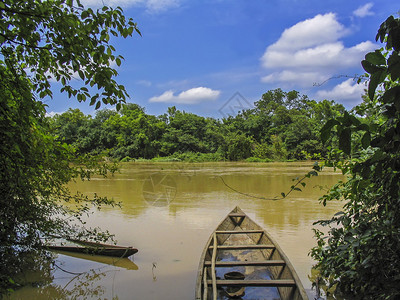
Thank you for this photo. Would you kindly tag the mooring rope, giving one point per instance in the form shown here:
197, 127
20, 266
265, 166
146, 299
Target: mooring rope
73, 273
293, 188
245, 194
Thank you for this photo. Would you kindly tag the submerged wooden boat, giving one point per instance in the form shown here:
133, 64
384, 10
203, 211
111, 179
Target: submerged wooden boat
95, 249
242, 261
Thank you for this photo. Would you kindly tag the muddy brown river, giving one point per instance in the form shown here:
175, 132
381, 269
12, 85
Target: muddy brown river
169, 211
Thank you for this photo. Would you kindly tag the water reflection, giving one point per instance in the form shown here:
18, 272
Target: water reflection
169, 211
82, 286
159, 189
124, 263
74, 276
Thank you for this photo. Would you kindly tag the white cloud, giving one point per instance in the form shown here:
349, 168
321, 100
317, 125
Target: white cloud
191, 96
311, 51
145, 83
152, 6
161, 5
325, 56
301, 78
321, 29
364, 10
346, 92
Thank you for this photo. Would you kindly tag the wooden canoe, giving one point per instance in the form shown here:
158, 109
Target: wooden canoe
240, 246
95, 249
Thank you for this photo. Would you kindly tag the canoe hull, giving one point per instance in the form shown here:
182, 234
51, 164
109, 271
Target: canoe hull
102, 250
241, 245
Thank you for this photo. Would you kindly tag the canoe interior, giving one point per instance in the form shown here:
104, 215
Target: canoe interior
268, 273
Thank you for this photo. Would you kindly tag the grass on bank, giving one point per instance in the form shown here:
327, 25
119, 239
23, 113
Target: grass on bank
197, 157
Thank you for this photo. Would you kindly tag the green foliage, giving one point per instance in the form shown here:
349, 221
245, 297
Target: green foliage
257, 159
195, 157
263, 151
186, 132
360, 254
42, 41
283, 125
62, 40
239, 147
278, 148
33, 170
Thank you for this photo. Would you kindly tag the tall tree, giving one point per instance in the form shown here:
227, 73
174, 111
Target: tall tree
41, 41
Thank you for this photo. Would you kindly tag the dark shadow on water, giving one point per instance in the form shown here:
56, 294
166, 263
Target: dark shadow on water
48, 278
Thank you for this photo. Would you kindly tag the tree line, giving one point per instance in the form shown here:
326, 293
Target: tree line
280, 126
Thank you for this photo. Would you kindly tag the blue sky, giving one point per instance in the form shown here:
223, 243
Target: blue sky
211, 55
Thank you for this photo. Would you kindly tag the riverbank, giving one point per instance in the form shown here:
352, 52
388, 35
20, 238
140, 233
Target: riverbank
199, 157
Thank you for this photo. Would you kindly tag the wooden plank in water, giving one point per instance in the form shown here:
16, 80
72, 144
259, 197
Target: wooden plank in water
205, 296
241, 247
264, 263
238, 231
237, 215
237, 218
256, 282
213, 275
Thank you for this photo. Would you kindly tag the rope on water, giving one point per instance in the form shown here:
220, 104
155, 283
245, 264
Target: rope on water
72, 273
283, 195
245, 194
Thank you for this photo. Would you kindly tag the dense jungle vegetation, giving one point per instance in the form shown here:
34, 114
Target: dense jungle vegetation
359, 256
281, 126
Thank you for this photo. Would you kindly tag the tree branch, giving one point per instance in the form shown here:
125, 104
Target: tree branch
23, 44
22, 13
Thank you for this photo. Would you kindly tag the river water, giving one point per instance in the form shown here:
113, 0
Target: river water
169, 211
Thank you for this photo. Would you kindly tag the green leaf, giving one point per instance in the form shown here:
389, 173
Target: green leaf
81, 74
313, 173
375, 58
93, 100
378, 155
366, 140
339, 213
363, 127
392, 95
375, 80
394, 66
326, 129
84, 14
348, 120
345, 140
369, 67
